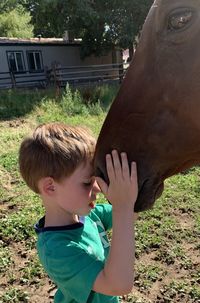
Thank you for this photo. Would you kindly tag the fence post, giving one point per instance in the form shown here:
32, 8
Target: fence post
47, 72
13, 80
121, 72
56, 82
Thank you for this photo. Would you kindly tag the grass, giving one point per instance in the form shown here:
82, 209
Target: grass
167, 237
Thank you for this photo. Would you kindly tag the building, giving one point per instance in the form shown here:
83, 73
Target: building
33, 59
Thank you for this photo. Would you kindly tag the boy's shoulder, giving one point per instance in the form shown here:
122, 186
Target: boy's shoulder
102, 213
101, 209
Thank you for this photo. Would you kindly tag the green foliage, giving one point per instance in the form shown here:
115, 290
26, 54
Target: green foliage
14, 295
32, 272
9, 161
14, 227
147, 275
71, 103
16, 23
17, 103
103, 94
43, 14
180, 290
5, 259
101, 23
93, 100
8, 5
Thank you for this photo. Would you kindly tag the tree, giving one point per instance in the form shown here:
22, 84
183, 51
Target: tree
16, 23
103, 24
49, 17
100, 23
8, 5
126, 20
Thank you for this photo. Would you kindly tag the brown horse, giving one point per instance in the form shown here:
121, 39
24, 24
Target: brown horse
155, 117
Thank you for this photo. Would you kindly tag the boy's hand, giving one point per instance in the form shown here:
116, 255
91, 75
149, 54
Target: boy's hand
123, 188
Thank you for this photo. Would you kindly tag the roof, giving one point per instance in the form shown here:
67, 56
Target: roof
38, 41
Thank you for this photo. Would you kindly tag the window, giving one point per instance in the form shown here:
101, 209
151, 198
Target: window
16, 61
35, 61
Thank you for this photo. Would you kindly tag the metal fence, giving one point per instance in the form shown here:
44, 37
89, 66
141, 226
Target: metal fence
59, 77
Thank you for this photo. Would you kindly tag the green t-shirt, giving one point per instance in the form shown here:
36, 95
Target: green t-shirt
73, 255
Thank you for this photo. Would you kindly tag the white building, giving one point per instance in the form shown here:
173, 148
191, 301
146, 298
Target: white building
33, 57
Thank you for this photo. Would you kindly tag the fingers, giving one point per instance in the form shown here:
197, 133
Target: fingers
125, 166
133, 171
115, 168
116, 163
122, 179
109, 167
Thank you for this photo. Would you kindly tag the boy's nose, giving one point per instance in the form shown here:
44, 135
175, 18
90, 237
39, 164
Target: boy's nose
96, 187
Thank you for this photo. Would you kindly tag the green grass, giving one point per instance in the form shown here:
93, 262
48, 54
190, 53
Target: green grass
167, 237
5, 259
15, 295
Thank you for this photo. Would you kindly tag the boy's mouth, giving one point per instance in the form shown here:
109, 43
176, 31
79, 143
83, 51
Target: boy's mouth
92, 205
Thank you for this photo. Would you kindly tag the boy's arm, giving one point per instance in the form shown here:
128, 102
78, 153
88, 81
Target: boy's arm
117, 276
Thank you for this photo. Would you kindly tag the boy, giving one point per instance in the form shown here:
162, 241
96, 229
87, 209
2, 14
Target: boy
56, 163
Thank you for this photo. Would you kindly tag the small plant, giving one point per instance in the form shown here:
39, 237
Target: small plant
9, 161
104, 94
18, 103
133, 299
147, 275
32, 272
194, 293
95, 109
19, 226
14, 295
180, 290
72, 103
5, 259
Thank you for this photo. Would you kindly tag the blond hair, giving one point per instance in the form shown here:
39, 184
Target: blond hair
54, 150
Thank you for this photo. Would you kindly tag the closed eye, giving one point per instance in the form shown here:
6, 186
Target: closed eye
88, 183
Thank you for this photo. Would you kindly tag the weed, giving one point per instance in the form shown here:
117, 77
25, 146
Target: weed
32, 272
72, 104
5, 259
9, 161
19, 226
134, 299
14, 295
103, 94
147, 275
180, 290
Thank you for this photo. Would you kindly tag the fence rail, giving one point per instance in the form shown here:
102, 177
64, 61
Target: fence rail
59, 77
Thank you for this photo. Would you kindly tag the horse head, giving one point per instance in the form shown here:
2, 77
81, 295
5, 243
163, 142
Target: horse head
155, 116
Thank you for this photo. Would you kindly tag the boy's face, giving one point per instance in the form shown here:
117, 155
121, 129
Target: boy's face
76, 194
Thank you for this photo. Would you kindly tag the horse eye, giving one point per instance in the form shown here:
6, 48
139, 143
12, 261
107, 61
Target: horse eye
179, 20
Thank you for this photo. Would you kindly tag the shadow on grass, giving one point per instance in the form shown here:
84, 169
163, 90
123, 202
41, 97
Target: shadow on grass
17, 103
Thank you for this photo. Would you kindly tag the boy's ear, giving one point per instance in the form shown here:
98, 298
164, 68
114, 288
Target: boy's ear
47, 186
